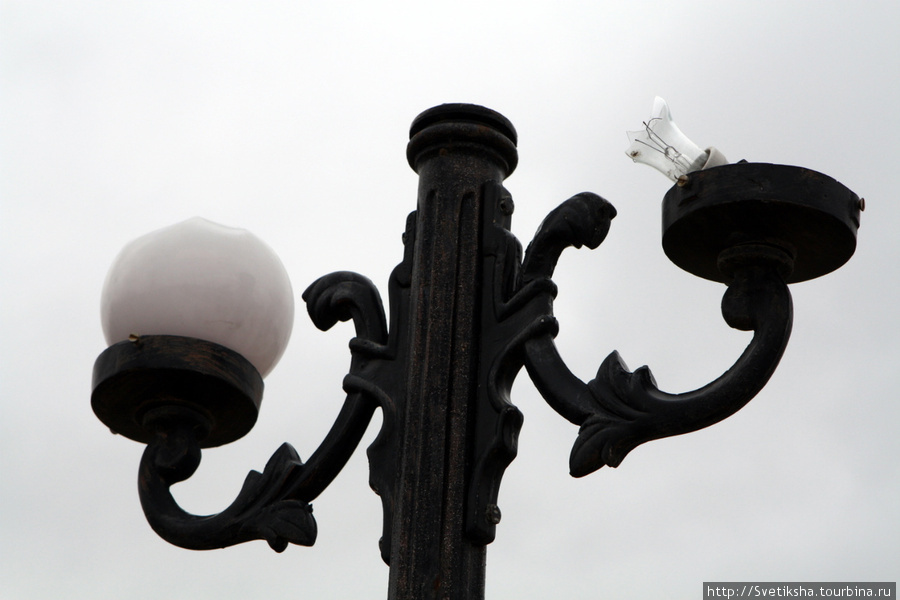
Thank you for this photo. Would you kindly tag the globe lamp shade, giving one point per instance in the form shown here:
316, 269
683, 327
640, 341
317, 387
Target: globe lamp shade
203, 280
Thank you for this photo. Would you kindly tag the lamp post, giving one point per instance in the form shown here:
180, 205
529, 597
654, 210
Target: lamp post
467, 312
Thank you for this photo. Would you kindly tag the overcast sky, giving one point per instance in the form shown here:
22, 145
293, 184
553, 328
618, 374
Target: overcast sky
291, 119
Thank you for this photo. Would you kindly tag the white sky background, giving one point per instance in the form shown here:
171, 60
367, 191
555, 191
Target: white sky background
291, 119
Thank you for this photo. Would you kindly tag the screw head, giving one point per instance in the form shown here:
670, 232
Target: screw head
493, 514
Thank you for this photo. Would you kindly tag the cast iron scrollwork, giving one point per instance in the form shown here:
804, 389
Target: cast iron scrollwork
619, 410
616, 411
262, 509
272, 505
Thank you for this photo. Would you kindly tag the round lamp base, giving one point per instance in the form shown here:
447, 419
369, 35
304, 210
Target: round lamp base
806, 214
136, 381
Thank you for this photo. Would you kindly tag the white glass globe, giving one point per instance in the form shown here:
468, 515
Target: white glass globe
203, 280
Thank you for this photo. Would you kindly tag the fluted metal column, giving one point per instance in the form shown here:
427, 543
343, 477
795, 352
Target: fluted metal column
456, 150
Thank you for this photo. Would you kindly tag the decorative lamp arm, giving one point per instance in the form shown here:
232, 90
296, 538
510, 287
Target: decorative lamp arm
619, 410
272, 505
205, 395
261, 510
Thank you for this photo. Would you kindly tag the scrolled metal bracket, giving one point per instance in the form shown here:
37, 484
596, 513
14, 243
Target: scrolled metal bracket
619, 410
263, 509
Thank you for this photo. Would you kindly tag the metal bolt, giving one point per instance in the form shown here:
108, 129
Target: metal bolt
862, 204
507, 206
493, 514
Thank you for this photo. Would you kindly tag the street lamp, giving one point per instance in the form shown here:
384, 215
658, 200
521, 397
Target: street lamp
467, 312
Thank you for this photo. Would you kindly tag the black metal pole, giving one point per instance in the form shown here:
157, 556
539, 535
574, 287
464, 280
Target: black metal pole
456, 150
